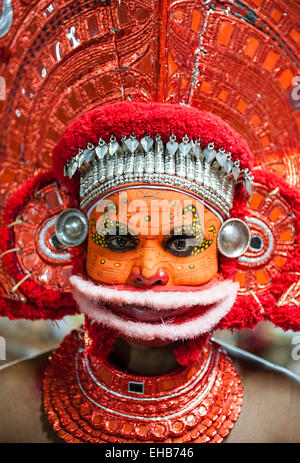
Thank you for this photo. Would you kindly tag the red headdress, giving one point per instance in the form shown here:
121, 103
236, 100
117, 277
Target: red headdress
116, 58
165, 67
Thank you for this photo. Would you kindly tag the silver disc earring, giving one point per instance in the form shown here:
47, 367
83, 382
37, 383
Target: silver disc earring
71, 227
233, 238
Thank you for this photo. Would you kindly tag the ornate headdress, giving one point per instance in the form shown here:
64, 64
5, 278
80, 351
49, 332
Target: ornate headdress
72, 58
102, 64
169, 145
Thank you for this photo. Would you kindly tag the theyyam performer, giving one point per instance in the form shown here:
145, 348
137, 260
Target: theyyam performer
157, 147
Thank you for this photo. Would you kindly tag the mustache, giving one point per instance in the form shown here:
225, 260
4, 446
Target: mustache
201, 308
157, 300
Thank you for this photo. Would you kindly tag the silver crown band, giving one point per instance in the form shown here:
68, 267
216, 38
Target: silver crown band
209, 173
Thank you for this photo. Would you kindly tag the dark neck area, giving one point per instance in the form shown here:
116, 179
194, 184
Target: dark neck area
143, 360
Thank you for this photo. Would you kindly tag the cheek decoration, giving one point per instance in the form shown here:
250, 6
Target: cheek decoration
205, 243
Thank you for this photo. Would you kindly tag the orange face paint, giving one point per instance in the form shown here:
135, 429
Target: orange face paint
144, 236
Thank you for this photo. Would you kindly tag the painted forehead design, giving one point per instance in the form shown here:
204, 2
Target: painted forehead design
193, 230
158, 188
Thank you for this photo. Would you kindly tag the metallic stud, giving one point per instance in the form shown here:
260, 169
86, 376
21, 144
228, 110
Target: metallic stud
71, 227
233, 238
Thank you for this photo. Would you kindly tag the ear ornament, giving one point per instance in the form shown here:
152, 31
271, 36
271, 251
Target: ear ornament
71, 227
233, 238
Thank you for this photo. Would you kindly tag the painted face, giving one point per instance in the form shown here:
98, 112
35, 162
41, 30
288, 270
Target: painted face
153, 261
145, 237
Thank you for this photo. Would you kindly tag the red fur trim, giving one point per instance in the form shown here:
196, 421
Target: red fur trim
188, 352
124, 118
101, 339
286, 317
41, 302
245, 313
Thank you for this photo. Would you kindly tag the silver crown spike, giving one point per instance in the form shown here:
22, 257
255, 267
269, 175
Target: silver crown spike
186, 163
80, 158
113, 145
196, 146
248, 180
185, 147
172, 145
89, 153
67, 169
95, 174
124, 148
101, 149
221, 157
129, 164
228, 163
132, 143
147, 143
236, 169
248, 186
159, 155
190, 168
72, 168
139, 164
102, 170
209, 153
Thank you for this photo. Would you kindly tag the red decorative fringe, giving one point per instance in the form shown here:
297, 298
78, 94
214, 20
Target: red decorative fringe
188, 352
102, 339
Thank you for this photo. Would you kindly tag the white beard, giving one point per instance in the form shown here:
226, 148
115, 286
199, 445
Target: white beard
92, 300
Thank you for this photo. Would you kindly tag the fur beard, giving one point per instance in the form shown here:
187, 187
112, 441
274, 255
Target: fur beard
192, 312
101, 344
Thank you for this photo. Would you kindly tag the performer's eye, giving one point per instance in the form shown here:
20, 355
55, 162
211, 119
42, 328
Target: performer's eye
121, 243
179, 245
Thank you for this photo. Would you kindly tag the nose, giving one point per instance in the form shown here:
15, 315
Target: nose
161, 277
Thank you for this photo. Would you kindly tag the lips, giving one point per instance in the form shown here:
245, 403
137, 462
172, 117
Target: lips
148, 315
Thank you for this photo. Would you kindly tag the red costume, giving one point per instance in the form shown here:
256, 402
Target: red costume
166, 139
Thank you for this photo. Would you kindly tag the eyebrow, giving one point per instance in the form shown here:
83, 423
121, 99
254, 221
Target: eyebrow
118, 225
182, 231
